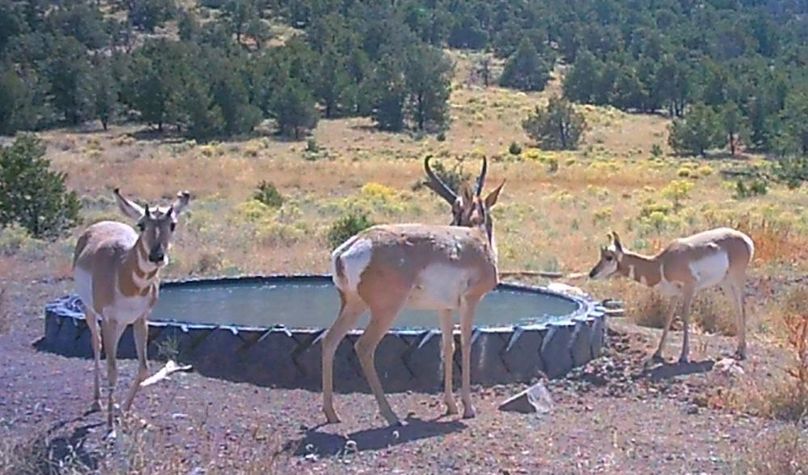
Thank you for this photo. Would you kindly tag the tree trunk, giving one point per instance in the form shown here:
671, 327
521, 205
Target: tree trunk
732, 145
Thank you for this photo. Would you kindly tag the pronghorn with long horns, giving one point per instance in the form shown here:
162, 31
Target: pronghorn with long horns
387, 268
717, 257
116, 273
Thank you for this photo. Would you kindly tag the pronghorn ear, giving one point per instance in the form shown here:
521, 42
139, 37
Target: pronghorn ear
491, 198
128, 207
179, 205
616, 241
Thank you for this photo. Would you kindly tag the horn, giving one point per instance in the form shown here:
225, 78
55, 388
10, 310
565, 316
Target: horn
481, 180
437, 185
146, 210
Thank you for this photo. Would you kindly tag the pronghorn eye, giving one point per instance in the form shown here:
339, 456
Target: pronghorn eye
609, 258
141, 225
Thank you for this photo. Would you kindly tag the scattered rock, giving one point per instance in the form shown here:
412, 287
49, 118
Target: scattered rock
730, 367
533, 399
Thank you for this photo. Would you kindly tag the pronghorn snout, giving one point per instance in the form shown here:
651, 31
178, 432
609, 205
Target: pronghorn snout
157, 255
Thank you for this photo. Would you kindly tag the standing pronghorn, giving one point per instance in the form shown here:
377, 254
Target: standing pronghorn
116, 272
716, 257
429, 267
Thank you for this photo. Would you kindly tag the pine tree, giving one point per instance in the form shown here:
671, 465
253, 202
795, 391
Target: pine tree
525, 69
31, 194
555, 127
699, 130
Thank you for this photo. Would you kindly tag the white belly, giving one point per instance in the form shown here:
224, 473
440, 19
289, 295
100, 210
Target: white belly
439, 287
710, 270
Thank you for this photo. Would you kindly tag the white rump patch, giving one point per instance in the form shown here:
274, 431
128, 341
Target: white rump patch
84, 286
710, 270
355, 255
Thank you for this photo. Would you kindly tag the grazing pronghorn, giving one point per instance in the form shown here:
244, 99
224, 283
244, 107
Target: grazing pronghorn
687, 265
116, 271
387, 268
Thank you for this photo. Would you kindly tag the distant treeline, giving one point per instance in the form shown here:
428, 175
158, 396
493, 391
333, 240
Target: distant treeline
70, 61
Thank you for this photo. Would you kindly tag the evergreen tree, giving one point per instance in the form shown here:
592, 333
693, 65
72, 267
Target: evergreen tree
69, 75
793, 137
699, 130
555, 127
525, 69
390, 93
105, 92
332, 83
428, 78
582, 77
294, 109
734, 126
31, 194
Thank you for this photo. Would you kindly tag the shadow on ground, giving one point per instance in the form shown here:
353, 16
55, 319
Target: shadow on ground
329, 445
672, 370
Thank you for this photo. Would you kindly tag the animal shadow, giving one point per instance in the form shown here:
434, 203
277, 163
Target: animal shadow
672, 370
329, 445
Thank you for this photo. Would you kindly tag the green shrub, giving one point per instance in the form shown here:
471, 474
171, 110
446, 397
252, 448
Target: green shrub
515, 149
453, 177
269, 195
656, 150
348, 226
755, 187
33, 195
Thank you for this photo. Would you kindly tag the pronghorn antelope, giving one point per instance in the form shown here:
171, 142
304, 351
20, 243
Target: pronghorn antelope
687, 265
387, 268
116, 272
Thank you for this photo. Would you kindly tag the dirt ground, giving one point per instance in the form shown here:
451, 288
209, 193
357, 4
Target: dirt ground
612, 416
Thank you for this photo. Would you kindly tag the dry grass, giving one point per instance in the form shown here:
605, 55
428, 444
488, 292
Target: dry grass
138, 448
782, 452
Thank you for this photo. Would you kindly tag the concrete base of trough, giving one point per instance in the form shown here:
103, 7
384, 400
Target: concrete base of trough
533, 399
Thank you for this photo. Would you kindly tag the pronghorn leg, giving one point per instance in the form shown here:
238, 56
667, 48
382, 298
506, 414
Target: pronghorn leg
380, 321
736, 292
350, 311
111, 333
657, 357
686, 301
467, 309
141, 333
447, 344
95, 340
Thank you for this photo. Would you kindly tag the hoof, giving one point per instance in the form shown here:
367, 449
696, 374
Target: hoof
684, 359
657, 358
451, 410
739, 355
393, 420
331, 417
469, 412
95, 407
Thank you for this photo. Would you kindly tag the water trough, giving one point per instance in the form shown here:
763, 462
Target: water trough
266, 330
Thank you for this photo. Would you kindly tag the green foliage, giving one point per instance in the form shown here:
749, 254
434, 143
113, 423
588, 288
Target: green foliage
792, 170
269, 195
294, 110
453, 177
678, 191
515, 149
555, 127
105, 92
755, 187
348, 226
656, 150
525, 69
69, 75
428, 78
734, 125
31, 194
793, 137
697, 132
149, 14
